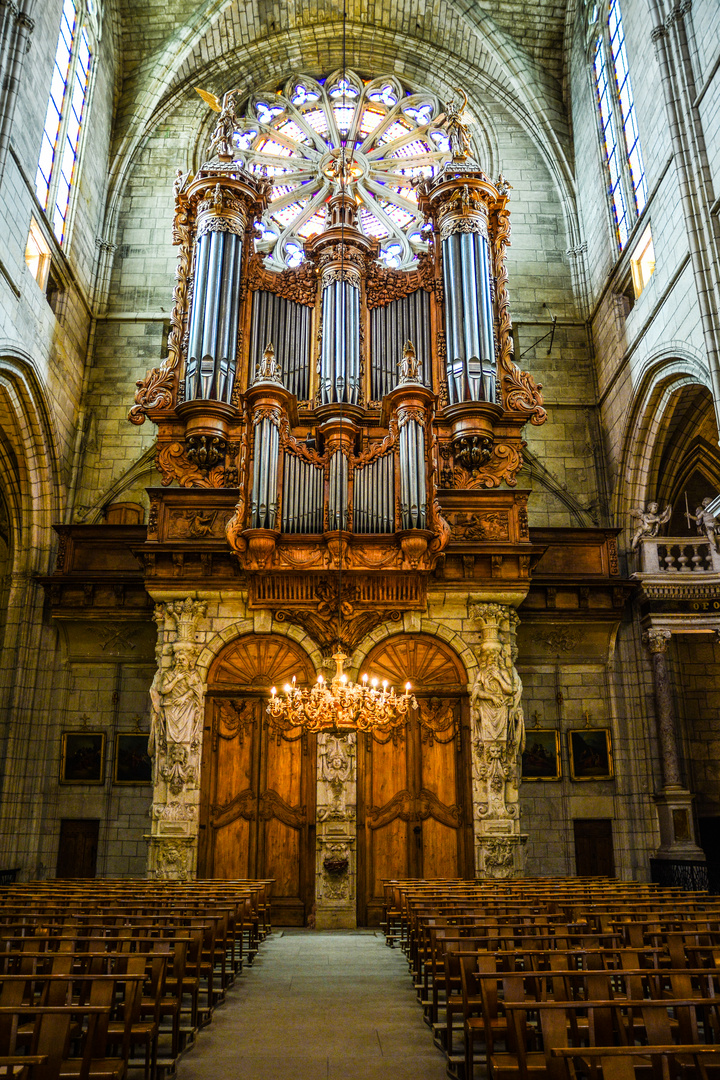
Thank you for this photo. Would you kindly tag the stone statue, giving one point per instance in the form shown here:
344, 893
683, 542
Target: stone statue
706, 522
493, 694
177, 700
649, 521
457, 131
221, 140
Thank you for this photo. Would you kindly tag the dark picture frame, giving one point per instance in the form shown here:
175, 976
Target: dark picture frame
133, 764
82, 757
541, 758
591, 754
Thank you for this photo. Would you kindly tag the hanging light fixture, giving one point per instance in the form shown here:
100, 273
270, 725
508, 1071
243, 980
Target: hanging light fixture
341, 705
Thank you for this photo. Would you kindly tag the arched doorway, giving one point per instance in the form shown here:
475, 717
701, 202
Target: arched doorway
414, 788
257, 805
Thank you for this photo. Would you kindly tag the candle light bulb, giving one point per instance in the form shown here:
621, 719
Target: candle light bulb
272, 691
408, 687
320, 680
373, 683
385, 682
365, 678
287, 688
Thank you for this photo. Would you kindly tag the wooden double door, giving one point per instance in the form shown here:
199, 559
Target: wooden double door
258, 790
257, 813
414, 814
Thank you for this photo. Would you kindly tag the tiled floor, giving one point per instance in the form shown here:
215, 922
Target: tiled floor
337, 1005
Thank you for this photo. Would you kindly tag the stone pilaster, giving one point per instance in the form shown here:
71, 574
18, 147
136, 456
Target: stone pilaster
177, 697
336, 843
674, 801
498, 737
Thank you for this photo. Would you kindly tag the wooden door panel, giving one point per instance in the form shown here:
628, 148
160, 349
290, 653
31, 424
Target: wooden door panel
439, 850
413, 789
258, 788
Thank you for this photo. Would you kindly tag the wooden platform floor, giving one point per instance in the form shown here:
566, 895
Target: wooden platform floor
334, 1005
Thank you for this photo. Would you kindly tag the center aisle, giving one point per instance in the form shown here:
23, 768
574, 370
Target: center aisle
319, 1006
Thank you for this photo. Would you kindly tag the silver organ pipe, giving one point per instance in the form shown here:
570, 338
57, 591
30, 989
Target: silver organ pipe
407, 318
468, 317
374, 496
212, 339
340, 351
338, 495
302, 504
288, 325
263, 503
413, 497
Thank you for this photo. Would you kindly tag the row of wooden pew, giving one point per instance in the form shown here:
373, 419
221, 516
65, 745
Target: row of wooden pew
564, 978
99, 978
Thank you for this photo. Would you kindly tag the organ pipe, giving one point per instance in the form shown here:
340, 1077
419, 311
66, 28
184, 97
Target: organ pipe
413, 495
468, 317
263, 504
340, 351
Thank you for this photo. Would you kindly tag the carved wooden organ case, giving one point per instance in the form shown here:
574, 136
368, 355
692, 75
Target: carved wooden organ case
341, 445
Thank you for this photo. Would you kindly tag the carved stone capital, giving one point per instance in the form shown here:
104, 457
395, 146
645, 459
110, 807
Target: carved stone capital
656, 641
657, 34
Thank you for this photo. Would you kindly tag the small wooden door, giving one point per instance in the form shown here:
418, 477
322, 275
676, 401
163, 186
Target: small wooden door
257, 813
414, 793
77, 853
594, 856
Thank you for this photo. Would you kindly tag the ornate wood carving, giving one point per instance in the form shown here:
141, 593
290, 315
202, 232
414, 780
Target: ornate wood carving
486, 527
244, 805
425, 662
271, 805
232, 718
410, 805
173, 464
259, 661
157, 389
383, 285
504, 464
438, 721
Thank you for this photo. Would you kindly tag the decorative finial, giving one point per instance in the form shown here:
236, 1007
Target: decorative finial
267, 369
222, 136
409, 366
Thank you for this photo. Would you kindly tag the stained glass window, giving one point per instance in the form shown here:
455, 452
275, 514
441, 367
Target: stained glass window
623, 88
627, 186
296, 132
63, 119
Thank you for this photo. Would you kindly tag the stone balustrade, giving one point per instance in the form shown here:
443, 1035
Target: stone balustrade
678, 555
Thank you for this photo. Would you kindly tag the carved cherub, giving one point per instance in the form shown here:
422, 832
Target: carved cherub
706, 522
649, 522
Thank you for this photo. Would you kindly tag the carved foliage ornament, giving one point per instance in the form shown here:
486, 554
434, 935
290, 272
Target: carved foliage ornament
298, 284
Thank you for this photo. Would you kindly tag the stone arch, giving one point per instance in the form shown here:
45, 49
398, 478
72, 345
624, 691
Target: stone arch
28, 462
666, 376
427, 627
502, 71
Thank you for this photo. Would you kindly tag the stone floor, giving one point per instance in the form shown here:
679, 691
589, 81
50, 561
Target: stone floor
318, 1006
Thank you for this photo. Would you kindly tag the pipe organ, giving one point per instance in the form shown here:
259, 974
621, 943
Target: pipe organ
359, 413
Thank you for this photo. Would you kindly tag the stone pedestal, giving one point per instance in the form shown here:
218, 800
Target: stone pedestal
674, 801
336, 836
498, 737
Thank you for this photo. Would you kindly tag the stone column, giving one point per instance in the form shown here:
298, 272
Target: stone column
498, 739
336, 836
674, 801
177, 699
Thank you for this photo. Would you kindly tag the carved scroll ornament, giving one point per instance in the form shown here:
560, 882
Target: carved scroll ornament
157, 389
504, 463
520, 391
173, 463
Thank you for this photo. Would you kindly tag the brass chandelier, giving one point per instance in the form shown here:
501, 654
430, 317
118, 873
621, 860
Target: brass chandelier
341, 705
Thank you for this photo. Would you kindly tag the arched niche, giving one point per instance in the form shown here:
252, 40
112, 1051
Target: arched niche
426, 662
255, 662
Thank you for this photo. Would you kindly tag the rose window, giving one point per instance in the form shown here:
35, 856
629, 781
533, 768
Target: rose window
391, 138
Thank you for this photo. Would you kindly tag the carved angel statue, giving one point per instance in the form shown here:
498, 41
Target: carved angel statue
706, 522
409, 366
649, 521
177, 700
221, 140
457, 130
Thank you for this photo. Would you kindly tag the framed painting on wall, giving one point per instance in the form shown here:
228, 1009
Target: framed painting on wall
591, 755
541, 756
133, 764
82, 759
